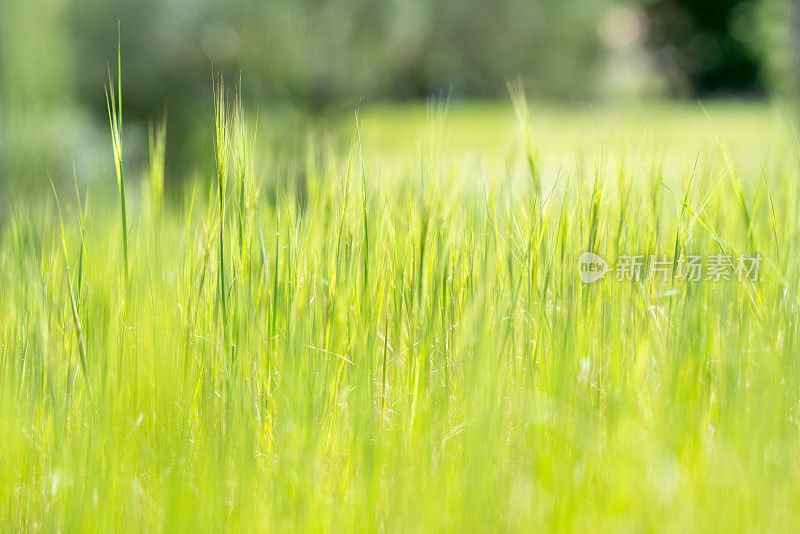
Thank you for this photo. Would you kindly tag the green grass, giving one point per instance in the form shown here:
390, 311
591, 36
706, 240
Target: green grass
405, 345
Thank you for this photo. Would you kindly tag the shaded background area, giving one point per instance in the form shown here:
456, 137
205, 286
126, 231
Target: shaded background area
304, 61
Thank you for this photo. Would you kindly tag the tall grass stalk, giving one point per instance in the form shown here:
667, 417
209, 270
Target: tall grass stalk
114, 107
222, 147
73, 302
157, 149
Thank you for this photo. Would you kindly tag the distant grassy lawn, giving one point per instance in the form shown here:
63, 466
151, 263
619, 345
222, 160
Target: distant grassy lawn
673, 132
403, 342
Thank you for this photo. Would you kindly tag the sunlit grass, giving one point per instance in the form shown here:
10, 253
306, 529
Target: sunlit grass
407, 346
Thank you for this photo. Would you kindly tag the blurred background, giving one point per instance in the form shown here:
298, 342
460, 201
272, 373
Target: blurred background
310, 62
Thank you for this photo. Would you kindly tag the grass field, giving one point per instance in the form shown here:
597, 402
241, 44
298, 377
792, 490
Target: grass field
404, 343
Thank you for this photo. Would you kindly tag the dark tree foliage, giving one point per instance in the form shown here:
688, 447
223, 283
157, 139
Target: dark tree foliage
696, 46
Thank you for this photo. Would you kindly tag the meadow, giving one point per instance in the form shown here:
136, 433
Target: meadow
401, 341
